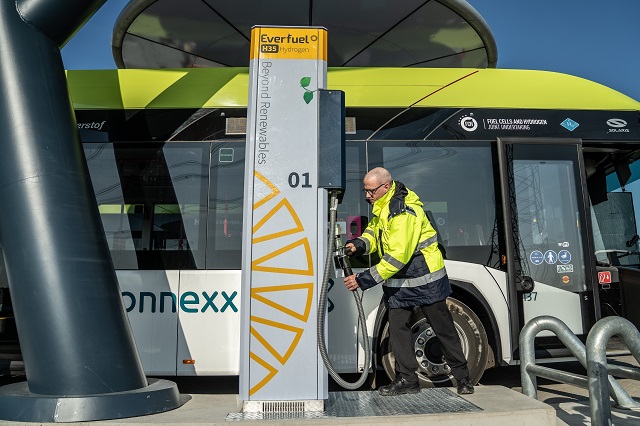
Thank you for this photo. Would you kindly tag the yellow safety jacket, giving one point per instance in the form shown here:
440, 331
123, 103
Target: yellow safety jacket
411, 268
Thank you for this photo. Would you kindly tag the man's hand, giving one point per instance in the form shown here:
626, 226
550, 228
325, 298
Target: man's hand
349, 249
351, 283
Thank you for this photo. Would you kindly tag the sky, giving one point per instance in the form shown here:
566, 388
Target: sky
593, 39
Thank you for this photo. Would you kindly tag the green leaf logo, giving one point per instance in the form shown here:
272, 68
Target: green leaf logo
308, 94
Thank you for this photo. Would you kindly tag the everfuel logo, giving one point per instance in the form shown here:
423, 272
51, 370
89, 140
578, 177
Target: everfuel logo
190, 302
288, 43
271, 44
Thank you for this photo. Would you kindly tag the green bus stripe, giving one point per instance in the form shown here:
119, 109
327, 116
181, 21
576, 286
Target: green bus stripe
363, 87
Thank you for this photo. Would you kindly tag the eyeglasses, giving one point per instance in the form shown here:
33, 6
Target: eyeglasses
372, 191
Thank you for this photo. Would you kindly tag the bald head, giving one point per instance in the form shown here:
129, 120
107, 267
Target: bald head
377, 176
376, 183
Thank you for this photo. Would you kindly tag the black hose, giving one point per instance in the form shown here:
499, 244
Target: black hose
322, 312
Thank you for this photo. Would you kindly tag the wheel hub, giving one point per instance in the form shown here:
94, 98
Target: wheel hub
429, 354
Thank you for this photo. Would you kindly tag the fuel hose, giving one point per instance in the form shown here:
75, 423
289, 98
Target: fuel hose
322, 312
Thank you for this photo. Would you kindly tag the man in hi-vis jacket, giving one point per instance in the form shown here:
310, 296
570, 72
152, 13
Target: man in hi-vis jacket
412, 273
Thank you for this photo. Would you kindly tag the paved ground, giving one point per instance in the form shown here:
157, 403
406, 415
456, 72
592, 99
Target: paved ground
571, 403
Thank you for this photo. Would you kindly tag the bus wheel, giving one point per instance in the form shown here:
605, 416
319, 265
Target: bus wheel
432, 370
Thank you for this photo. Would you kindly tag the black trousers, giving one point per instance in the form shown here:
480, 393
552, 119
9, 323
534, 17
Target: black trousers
401, 340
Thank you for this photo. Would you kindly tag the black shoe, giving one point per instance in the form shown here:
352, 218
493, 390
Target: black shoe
465, 387
399, 387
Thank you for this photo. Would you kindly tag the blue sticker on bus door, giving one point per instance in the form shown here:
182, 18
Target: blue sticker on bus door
564, 256
536, 257
550, 257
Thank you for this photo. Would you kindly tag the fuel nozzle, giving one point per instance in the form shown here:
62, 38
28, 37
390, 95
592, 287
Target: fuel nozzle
340, 259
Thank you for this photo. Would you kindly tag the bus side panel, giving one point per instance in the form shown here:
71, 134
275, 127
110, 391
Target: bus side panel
149, 298
543, 300
370, 303
342, 320
492, 284
209, 326
549, 300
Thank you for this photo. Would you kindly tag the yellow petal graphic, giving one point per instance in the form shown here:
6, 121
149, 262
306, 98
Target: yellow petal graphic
273, 351
297, 228
255, 293
257, 265
271, 372
274, 191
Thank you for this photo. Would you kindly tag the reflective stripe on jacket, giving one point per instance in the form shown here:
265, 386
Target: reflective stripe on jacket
411, 266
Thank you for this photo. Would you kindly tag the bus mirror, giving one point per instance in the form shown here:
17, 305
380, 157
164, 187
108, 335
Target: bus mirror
597, 186
623, 171
526, 284
589, 167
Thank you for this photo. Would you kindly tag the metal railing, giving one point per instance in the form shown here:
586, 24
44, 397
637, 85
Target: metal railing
592, 359
597, 368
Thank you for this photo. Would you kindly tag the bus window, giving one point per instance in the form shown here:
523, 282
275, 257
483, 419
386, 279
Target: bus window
152, 200
548, 215
456, 184
354, 211
614, 227
226, 194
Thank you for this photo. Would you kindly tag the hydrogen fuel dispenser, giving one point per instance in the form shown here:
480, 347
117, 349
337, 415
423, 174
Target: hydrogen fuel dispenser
295, 156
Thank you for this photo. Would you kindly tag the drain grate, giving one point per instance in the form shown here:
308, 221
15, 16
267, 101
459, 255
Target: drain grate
370, 404
428, 401
277, 416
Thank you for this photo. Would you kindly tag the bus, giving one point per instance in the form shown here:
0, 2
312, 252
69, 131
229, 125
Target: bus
522, 173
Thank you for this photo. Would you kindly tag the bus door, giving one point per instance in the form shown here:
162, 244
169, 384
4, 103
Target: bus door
549, 256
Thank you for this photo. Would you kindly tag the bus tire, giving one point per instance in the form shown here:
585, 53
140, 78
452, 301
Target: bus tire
432, 370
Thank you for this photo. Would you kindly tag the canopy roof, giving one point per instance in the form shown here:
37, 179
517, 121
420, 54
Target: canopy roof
385, 33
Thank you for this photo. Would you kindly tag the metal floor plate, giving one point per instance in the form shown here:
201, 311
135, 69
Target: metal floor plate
370, 404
